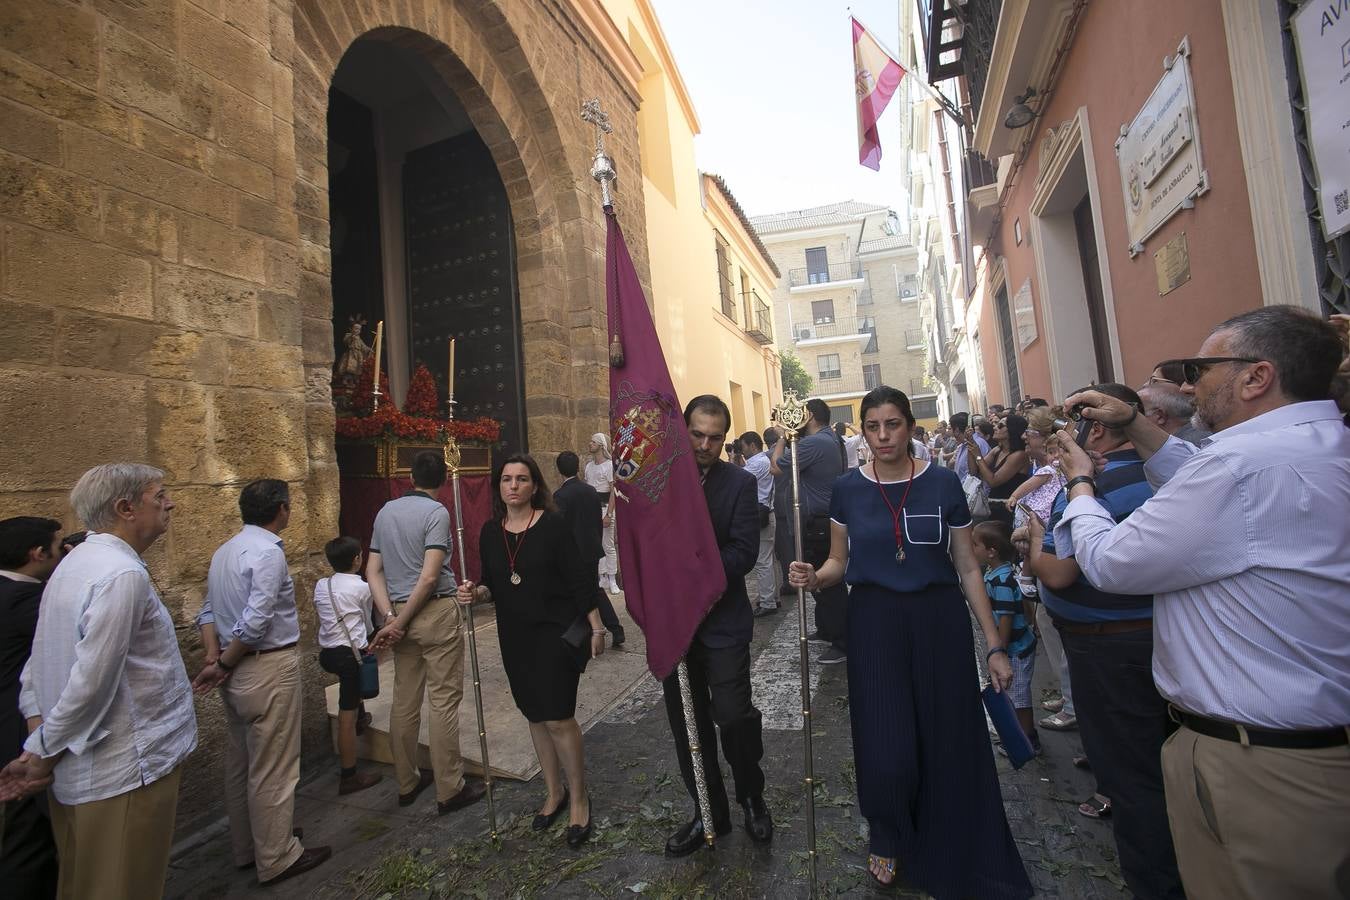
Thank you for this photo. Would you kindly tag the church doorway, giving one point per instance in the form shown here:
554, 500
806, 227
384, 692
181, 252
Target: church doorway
421, 237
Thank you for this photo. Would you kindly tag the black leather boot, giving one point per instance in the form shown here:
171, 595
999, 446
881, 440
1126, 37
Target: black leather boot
758, 822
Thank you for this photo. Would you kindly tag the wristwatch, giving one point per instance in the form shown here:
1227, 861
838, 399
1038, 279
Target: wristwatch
1080, 479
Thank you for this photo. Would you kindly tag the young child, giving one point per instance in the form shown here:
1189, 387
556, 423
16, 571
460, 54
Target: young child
343, 603
993, 547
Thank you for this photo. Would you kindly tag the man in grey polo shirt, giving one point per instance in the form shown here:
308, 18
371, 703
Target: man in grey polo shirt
409, 568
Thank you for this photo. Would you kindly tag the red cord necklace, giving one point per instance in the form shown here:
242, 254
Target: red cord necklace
896, 511
512, 554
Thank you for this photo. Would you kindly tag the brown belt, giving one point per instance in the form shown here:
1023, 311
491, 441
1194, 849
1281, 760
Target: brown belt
289, 646
1123, 626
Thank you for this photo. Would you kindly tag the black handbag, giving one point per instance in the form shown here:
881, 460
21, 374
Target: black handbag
765, 515
578, 634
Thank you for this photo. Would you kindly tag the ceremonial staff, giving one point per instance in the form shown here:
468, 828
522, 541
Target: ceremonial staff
602, 170
791, 415
452, 460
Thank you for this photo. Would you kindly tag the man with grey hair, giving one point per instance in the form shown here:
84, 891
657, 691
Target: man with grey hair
107, 700
1170, 409
250, 629
1249, 612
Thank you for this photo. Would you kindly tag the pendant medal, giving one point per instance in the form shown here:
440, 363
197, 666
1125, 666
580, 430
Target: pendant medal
900, 556
515, 578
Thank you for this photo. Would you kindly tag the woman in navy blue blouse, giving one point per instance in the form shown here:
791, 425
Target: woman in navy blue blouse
927, 785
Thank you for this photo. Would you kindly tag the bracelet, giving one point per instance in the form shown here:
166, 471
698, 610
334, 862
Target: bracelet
988, 656
220, 663
599, 633
1080, 479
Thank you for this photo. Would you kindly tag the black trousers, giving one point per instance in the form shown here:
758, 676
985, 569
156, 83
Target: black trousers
831, 603
28, 865
719, 679
607, 615
1123, 722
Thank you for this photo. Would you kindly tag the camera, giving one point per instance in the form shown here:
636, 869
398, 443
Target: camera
1076, 423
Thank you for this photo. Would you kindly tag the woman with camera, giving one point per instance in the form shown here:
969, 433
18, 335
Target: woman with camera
548, 626
1005, 468
900, 537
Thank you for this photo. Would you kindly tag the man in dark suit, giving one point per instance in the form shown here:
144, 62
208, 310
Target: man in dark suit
719, 656
580, 505
29, 552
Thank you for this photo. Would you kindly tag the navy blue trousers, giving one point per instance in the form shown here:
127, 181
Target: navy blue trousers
927, 784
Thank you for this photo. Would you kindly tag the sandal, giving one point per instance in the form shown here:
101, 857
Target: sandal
1060, 721
1054, 705
887, 866
1095, 807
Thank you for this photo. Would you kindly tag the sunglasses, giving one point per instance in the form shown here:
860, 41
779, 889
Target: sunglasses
1192, 370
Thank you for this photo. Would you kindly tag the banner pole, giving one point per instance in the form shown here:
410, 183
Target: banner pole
791, 415
452, 460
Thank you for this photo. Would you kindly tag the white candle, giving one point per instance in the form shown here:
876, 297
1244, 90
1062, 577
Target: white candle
450, 375
379, 340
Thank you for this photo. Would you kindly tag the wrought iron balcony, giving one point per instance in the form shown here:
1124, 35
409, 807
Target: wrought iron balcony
918, 389
913, 338
758, 317
808, 276
833, 329
834, 382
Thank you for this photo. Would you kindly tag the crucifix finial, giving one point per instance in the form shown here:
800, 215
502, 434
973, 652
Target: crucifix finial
602, 168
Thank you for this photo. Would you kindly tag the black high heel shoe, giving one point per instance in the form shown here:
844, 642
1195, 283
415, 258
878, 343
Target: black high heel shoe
580, 834
544, 820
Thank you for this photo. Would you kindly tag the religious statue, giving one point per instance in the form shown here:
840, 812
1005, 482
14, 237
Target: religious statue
347, 371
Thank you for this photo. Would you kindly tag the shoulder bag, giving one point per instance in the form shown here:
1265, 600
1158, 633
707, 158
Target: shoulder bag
369, 665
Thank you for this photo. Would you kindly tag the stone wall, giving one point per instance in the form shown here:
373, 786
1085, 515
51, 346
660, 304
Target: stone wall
164, 264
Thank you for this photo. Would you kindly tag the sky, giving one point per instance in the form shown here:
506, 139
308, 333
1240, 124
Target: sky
772, 83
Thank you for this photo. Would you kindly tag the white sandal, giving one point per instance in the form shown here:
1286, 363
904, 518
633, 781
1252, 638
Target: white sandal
1060, 721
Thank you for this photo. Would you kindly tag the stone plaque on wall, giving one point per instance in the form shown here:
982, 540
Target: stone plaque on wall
1161, 170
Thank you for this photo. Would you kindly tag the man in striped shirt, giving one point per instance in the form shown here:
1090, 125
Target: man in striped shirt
1246, 549
1108, 642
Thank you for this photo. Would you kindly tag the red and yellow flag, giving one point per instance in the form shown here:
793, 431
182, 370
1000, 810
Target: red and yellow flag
876, 76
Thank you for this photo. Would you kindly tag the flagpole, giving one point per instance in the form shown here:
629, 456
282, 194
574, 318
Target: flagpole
452, 460
602, 170
791, 414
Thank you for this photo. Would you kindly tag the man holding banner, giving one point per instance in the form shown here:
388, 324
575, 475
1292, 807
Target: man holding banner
719, 657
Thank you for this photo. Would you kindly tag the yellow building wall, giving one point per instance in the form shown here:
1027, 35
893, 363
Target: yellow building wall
707, 352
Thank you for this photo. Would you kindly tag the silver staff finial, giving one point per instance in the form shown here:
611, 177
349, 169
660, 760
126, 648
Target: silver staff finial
602, 168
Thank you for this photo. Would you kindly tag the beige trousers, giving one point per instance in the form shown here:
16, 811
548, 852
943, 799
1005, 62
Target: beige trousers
262, 760
117, 848
1258, 823
429, 660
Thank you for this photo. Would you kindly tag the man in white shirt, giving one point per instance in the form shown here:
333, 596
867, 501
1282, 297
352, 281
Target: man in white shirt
599, 474
762, 582
960, 425
106, 696
1250, 612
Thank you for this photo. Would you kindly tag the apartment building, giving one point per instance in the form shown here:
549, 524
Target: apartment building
847, 304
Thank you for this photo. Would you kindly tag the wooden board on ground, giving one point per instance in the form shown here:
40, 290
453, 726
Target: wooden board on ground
606, 682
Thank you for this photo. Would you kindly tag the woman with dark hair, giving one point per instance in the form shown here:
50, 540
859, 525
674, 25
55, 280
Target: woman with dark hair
900, 537
548, 627
1006, 471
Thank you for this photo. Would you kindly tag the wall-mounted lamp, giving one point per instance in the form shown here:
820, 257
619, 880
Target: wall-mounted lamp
1020, 115
1188, 203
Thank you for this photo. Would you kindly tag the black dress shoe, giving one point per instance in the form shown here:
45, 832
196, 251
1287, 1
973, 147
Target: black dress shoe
473, 791
308, 860
544, 820
691, 837
616, 638
426, 778
758, 822
580, 834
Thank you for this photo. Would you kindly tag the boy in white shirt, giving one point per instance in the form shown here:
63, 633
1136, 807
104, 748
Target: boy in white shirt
343, 603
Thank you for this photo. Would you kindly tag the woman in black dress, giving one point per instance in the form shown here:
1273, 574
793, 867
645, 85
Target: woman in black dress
1005, 468
533, 572
900, 537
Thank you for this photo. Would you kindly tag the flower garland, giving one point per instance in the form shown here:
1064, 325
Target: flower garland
419, 422
422, 400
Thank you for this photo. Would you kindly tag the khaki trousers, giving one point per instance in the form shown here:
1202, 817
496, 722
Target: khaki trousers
429, 660
262, 760
1258, 822
117, 848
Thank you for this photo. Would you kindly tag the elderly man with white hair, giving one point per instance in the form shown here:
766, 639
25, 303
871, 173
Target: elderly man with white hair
107, 699
600, 475
1169, 408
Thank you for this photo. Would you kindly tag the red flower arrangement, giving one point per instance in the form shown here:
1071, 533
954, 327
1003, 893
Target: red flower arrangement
420, 422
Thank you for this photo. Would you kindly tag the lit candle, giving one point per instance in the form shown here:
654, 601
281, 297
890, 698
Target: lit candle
379, 340
450, 376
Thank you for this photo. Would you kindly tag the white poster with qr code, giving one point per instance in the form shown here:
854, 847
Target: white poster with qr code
1322, 36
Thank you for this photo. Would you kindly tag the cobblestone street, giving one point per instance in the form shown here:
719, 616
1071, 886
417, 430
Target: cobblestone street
381, 851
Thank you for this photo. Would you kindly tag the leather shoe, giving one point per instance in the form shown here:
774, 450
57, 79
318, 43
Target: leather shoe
297, 833
616, 638
758, 822
762, 611
691, 837
308, 860
473, 791
544, 820
358, 782
427, 780
580, 834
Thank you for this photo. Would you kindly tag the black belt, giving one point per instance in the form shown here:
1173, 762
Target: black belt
271, 649
1121, 626
1311, 739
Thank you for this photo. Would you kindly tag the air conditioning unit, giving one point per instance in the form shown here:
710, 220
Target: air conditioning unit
805, 333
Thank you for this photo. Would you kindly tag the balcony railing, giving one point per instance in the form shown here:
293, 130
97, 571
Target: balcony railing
918, 389
829, 274
840, 382
758, 317
831, 329
913, 338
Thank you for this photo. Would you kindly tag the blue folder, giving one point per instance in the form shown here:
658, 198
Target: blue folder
1010, 732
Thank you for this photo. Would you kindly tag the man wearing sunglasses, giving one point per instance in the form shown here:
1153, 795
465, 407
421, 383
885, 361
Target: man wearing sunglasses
1246, 549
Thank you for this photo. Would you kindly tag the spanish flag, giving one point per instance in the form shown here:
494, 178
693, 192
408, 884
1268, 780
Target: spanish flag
875, 76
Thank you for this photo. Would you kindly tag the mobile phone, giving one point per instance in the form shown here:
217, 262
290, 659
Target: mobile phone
1026, 510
